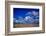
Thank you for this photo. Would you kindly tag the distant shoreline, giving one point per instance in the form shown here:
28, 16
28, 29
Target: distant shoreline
25, 25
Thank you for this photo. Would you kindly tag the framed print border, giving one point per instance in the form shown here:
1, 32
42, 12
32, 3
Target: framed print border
7, 17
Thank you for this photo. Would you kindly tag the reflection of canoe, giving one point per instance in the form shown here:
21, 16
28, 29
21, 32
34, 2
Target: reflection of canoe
25, 25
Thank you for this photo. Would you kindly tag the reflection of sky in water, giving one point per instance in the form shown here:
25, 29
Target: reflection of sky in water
26, 16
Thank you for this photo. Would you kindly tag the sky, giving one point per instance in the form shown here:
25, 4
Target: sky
26, 15
22, 11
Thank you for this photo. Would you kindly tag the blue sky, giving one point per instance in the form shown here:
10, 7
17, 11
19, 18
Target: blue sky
26, 15
22, 11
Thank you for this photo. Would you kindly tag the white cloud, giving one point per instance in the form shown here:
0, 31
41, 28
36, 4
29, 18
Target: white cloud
29, 13
28, 18
20, 20
34, 13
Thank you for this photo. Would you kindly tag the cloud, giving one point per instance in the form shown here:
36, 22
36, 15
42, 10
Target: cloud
35, 13
36, 21
36, 17
28, 19
20, 20
29, 13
